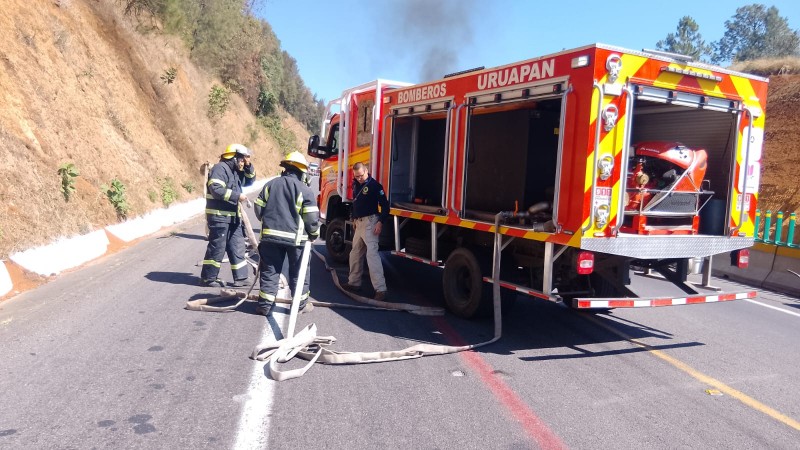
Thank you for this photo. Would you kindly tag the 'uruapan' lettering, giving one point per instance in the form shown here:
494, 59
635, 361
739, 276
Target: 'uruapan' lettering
514, 75
422, 93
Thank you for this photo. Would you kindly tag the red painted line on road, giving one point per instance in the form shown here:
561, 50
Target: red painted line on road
533, 426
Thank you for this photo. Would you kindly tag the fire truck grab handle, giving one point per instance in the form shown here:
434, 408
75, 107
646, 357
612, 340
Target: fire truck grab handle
447, 153
626, 148
746, 164
456, 118
384, 131
599, 88
560, 158
344, 147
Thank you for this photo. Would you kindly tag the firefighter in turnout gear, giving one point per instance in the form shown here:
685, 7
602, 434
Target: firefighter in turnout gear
287, 209
226, 233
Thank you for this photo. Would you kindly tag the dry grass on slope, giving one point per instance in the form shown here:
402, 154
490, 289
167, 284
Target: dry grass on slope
80, 84
788, 65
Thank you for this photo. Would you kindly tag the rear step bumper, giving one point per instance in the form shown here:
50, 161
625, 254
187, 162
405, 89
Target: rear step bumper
589, 303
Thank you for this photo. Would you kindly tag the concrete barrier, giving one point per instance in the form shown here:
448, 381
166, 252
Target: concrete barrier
5, 280
761, 259
68, 253
780, 279
64, 254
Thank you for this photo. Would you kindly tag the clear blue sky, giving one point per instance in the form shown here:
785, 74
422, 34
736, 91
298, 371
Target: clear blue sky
344, 43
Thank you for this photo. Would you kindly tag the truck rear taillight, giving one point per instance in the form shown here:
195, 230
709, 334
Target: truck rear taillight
743, 258
585, 264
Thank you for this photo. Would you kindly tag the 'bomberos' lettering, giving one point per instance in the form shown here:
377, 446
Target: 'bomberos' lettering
422, 93
519, 74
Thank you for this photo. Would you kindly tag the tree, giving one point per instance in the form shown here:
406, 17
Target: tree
224, 37
686, 40
756, 31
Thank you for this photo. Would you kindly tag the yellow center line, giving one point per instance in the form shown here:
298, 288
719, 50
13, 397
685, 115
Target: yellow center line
703, 378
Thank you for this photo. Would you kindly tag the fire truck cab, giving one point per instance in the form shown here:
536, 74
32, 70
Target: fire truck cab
561, 177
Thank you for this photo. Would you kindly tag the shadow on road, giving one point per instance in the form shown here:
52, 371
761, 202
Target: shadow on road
532, 324
197, 237
174, 278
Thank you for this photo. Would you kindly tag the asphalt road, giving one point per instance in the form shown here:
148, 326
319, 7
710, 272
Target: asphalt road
106, 357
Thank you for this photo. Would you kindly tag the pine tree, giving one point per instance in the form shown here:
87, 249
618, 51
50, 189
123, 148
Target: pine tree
687, 40
756, 31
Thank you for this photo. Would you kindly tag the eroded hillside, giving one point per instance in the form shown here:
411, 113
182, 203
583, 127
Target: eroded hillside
780, 185
81, 84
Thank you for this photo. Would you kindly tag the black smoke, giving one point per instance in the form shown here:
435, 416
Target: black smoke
432, 33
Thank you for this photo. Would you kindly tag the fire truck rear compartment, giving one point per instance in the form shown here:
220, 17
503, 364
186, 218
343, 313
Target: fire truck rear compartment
696, 128
511, 158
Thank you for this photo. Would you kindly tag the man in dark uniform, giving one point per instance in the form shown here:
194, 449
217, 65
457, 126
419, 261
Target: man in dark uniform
289, 217
368, 222
225, 230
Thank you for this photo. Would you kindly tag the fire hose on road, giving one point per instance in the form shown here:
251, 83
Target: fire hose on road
307, 345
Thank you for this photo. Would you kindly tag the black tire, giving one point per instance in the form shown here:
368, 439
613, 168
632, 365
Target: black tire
335, 244
462, 283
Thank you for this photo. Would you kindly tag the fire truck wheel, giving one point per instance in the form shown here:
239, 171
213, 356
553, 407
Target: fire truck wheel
335, 244
463, 283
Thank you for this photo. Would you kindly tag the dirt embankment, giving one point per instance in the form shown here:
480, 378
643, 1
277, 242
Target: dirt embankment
780, 184
82, 84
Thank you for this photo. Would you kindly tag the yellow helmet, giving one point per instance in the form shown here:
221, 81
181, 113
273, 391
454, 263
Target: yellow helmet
296, 159
233, 149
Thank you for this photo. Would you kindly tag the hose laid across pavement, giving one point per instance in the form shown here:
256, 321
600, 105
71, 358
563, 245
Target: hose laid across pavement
307, 345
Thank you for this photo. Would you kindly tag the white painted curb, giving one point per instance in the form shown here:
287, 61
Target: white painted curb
155, 220
5, 280
71, 252
64, 254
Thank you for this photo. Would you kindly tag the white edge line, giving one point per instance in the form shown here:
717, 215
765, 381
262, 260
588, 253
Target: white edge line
254, 423
771, 307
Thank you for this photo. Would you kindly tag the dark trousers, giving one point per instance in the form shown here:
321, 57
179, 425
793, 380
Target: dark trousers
272, 257
225, 234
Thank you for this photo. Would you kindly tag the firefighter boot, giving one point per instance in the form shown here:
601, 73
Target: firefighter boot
244, 282
306, 307
212, 283
263, 309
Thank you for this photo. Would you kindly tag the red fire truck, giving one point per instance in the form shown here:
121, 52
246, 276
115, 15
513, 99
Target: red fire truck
583, 171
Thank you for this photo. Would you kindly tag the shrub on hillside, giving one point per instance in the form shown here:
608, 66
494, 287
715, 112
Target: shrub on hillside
68, 172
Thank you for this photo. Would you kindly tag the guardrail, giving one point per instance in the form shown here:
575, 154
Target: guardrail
765, 235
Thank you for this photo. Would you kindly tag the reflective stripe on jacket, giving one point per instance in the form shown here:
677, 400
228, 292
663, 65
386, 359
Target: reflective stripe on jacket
288, 211
225, 186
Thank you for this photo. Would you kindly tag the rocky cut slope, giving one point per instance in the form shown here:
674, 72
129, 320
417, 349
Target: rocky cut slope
780, 185
82, 84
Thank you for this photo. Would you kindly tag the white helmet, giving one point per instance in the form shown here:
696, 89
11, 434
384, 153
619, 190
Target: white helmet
235, 149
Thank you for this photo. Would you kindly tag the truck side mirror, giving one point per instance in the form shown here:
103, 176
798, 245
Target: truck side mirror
315, 150
313, 143
321, 151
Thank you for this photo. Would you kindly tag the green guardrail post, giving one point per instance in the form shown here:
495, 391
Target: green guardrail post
755, 229
790, 236
779, 228
767, 226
